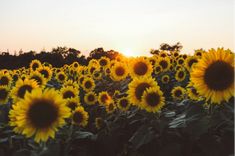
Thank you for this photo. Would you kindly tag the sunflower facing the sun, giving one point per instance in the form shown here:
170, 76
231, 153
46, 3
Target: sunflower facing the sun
213, 75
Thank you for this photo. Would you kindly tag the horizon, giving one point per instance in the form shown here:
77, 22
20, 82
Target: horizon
130, 27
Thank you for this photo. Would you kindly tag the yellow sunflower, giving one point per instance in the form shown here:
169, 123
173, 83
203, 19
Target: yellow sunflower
39, 114
193, 94
190, 61
123, 103
45, 71
73, 103
21, 87
165, 79
119, 71
36, 76
157, 69
90, 98
152, 99
104, 62
75, 65
213, 75
61, 77
104, 98
180, 61
4, 94
180, 75
5, 79
97, 75
178, 93
110, 108
69, 92
88, 84
137, 87
80, 117
139, 67
34, 65
164, 63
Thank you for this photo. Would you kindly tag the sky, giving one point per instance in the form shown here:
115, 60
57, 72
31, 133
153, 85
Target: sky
132, 27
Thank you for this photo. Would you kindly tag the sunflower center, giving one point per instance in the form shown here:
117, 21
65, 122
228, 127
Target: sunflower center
92, 70
42, 113
68, 94
194, 91
181, 61
165, 79
44, 73
181, 74
124, 103
78, 117
3, 94
88, 84
163, 64
4, 81
119, 71
35, 66
152, 99
61, 77
178, 93
104, 98
191, 62
72, 105
103, 62
140, 68
140, 90
91, 98
219, 76
38, 79
22, 90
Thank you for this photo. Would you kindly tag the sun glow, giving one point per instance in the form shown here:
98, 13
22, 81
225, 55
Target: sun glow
128, 52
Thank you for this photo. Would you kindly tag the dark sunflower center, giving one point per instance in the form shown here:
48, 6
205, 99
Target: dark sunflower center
163, 55
140, 90
88, 84
219, 76
75, 65
158, 69
104, 98
38, 79
140, 68
191, 62
103, 62
108, 70
91, 97
42, 113
22, 90
124, 103
194, 91
185, 56
92, 70
61, 77
199, 54
4, 80
178, 93
181, 74
3, 94
181, 61
78, 117
165, 79
81, 79
35, 66
44, 73
96, 74
15, 77
176, 54
72, 105
120, 71
163, 64
68, 94
152, 99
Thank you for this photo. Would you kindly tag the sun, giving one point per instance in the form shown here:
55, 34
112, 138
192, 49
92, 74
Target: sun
128, 52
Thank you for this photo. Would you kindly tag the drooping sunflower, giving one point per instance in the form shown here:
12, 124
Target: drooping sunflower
80, 117
39, 114
178, 93
164, 63
165, 79
69, 92
21, 87
73, 103
137, 87
140, 67
34, 65
152, 99
90, 98
61, 77
119, 71
45, 71
213, 75
180, 75
41, 81
123, 103
4, 94
104, 98
88, 84
5, 79
190, 61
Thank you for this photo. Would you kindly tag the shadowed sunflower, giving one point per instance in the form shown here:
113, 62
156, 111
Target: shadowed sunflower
71, 83
104, 98
157, 69
164, 63
180, 75
213, 75
45, 71
69, 92
36, 76
165, 79
119, 71
61, 77
4, 94
123, 103
73, 103
90, 98
88, 84
110, 108
152, 99
39, 114
34, 65
80, 117
178, 93
140, 67
137, 88
21, 87
99, 123
5, 79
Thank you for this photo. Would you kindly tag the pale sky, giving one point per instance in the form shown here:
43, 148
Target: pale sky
128, 26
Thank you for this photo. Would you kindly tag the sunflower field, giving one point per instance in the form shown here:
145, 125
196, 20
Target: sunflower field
163, 105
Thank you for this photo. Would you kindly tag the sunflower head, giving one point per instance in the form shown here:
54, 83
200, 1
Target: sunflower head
80, 117
88, 84
165, 79
73, 103
34, 65
110, 108
180, 75
5, 79
39, 78
4, 94
104, 98
178, 93
45, 71
61, 77
69, 92
164, 63
140, 67
119, 71
123, 104
90, 98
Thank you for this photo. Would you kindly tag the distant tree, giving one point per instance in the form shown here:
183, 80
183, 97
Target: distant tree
166, 47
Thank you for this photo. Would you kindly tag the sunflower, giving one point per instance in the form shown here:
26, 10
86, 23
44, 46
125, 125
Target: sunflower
80, 117
21, 87
99, 123
123, 103
157, 69
88, 84
164, 63
69, 92
163, 54
180, 61
119, 71
213, 75
39, 114
80, 79
137, 87
45, 71
97, 75
175, 54
178, 93
34, 65
165, 79
152, 99
36, 76
5, 79
4, 94
104, 98
193, 94
140, 67
90, 98
180, 75
75, 64
110, 108
198, 53
104, 62
72, 103
190, 61
71, 83
61, 77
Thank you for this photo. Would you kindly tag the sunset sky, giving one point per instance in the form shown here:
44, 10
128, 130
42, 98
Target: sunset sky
129, 26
